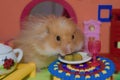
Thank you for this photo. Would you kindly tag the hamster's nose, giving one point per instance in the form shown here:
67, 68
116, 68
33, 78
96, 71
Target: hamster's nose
68, 49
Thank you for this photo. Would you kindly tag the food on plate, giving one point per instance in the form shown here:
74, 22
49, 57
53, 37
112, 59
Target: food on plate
77, 57
68, 57
73, 57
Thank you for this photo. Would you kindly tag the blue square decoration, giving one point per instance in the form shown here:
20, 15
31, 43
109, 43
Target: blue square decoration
104, 7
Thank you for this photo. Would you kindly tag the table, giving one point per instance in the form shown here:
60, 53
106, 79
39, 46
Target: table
84, 71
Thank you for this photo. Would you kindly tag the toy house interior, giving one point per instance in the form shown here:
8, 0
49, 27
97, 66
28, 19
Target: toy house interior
97, 19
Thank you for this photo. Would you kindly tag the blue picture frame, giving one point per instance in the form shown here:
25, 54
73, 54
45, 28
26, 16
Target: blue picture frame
104, 7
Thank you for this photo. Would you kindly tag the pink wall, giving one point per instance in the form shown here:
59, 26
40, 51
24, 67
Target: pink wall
11, 11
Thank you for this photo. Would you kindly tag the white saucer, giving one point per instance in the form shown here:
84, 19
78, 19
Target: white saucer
86, 57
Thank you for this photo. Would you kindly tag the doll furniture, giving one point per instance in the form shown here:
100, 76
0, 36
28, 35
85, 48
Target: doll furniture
115, 32
91, 31
23, 70
114, 54
85, 71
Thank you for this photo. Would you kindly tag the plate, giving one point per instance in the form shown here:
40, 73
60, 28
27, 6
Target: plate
86, 57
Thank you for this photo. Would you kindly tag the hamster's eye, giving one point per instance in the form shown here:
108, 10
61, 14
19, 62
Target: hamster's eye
58, 38
73, 36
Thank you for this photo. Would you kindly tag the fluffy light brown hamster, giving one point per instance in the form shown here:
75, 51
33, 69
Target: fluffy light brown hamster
43, 38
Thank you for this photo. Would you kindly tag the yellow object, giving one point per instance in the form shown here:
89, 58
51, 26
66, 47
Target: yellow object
68, 57
2, 76
108, 79
107, 67
55, 78
97, 75
67, 74
21, 72
77, 57
87, 77
104, 72
73, 57
77, 76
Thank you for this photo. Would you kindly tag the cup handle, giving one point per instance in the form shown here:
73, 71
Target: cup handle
20, 54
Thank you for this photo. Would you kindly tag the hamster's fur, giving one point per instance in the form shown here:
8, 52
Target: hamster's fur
43, 38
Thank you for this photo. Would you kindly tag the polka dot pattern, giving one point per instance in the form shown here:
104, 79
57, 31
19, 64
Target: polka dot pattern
83, 71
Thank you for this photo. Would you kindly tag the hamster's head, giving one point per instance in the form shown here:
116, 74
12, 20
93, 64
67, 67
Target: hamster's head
54, 35
64, 36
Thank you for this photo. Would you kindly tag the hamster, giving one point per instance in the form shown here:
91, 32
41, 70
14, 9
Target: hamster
43, 38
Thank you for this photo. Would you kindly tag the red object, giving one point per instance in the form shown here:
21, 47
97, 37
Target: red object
8, 63
115, 32
94, 47
115, 37
64, 3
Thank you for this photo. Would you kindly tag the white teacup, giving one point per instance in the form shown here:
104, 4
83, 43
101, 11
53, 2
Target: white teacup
9, 58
